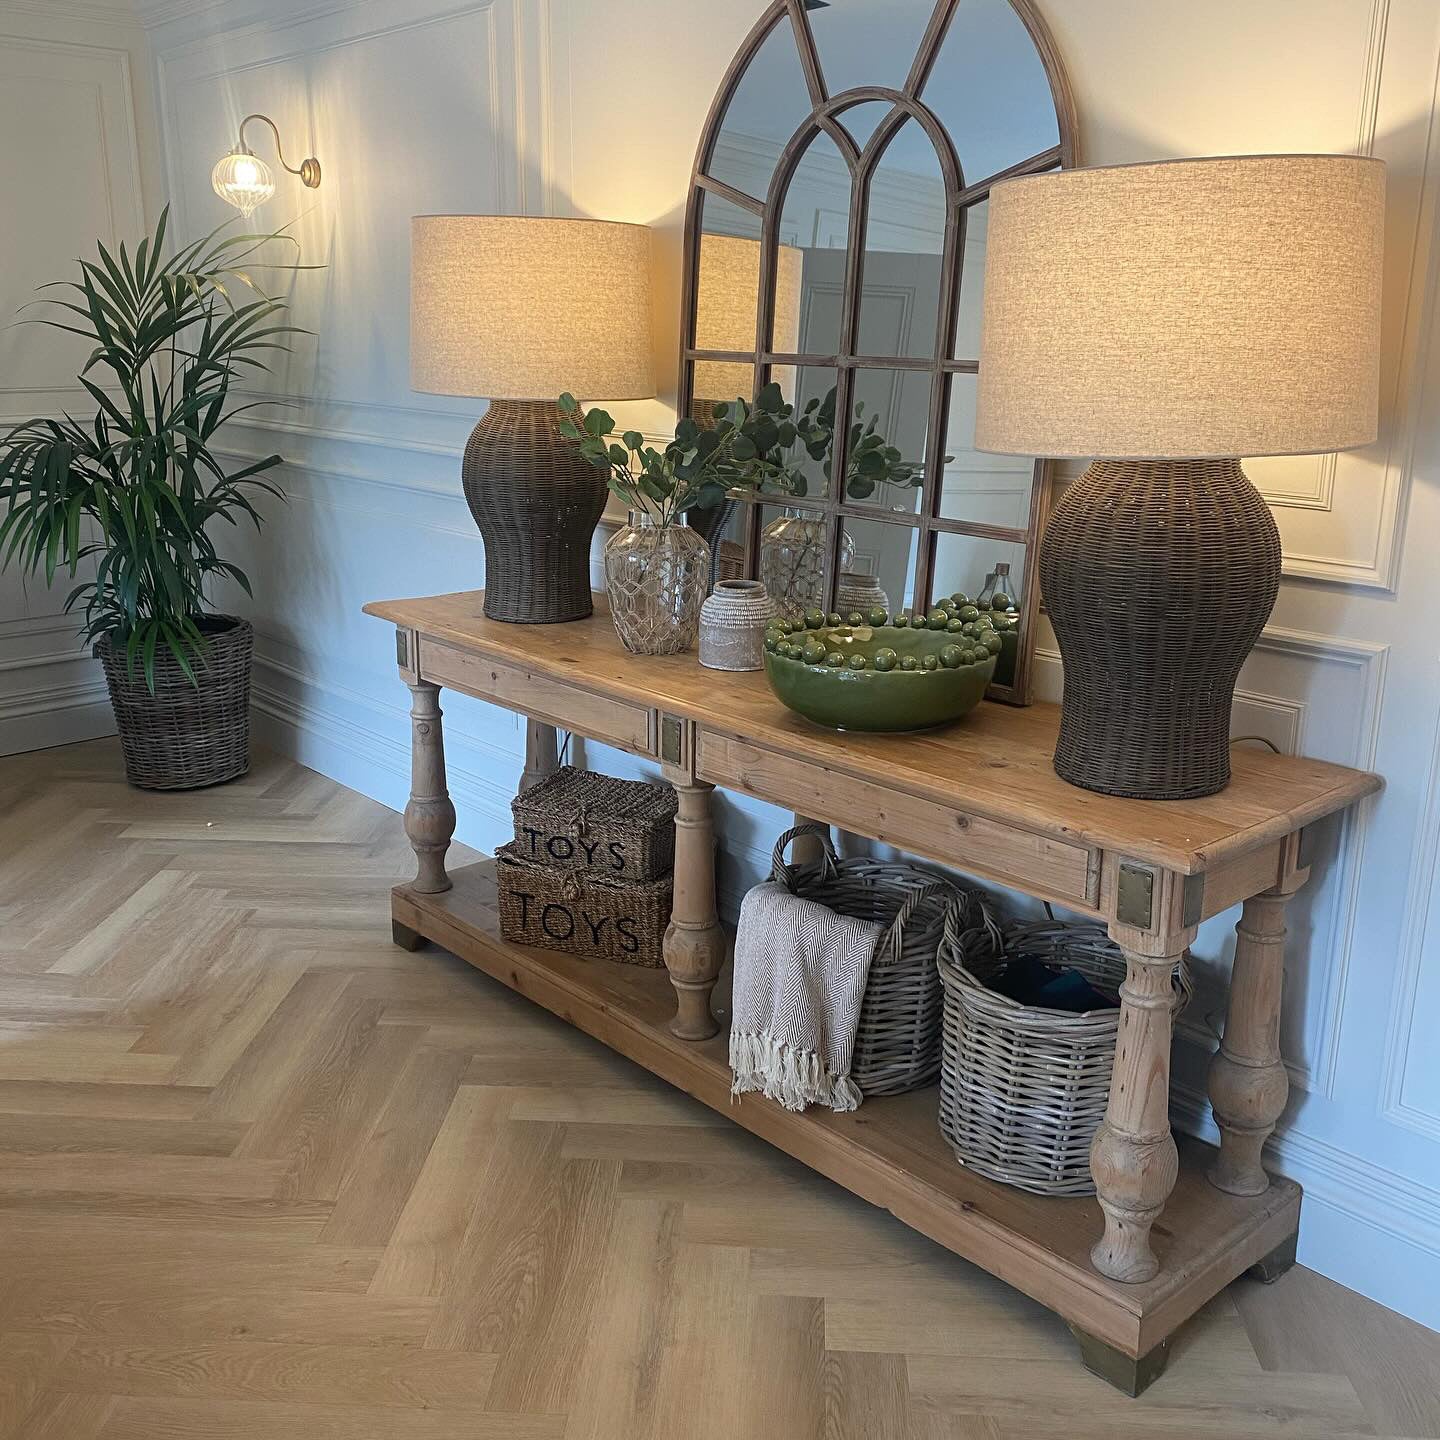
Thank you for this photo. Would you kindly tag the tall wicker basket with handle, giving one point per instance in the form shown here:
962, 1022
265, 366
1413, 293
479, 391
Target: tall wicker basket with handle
897, 1043
1023, 1088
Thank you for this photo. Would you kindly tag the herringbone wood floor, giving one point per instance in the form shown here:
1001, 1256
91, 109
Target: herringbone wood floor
264, 1175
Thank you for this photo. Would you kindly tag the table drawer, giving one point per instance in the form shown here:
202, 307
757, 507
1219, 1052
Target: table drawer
572, 707
1037, 864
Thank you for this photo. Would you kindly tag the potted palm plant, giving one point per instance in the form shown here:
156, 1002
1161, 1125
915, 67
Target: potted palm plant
124, 502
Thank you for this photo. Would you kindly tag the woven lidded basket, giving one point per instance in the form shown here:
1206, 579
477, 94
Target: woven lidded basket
582, 820
187, 733
581, 913
1023, 1088
897, 1042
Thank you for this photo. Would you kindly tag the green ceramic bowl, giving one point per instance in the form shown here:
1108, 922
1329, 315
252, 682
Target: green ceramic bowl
876, 699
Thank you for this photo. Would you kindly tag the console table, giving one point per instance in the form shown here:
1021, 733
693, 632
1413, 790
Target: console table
1171, 1224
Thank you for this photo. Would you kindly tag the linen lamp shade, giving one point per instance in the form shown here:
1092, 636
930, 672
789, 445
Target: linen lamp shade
1188, 308
727, 297
1167, 319
520, 309
523, 308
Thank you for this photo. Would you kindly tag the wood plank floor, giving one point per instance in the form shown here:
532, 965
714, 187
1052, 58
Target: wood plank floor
264, 1175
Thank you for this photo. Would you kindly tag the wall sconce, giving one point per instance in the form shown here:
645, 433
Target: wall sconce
242, 179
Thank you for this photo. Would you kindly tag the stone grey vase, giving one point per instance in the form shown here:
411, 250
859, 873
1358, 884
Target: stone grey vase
732, 625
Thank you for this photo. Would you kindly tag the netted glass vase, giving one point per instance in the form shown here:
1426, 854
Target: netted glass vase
795, 563
656, 577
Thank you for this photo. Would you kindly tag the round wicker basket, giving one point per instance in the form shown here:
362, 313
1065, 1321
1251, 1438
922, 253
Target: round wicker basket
187, 733
897, 1042
1023, 1088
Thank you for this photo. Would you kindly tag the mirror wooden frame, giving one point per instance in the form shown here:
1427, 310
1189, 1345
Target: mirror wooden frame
833, 508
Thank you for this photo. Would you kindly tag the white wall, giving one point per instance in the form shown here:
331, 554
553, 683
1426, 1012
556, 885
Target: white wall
594, 107
77, 162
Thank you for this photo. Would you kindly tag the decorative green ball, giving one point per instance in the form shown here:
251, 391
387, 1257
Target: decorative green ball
993, 643
854, 618
938, 619
814, 651
909, 662
856, 661
947, 605
814, 619
772, 640
879, 615
960, 598
986, 620
951, 657
833, 618
901, 621
885, 659
955, 626
970, 628
835, 659
1001, 601
929, 662
785, 626
968, 655
969, 612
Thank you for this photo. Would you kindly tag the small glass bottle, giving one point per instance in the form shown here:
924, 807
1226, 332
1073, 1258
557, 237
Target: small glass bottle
997, 582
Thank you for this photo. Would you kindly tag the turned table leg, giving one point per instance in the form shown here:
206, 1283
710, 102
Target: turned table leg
806, 849
429, 817
1133, 1159
694, 941
1248, 1083
542, 758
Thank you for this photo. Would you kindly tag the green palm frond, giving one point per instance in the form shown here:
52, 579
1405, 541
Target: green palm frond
135, 488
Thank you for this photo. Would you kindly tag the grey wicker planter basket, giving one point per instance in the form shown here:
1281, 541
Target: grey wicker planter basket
187, 734
1022, 1088
897, 1042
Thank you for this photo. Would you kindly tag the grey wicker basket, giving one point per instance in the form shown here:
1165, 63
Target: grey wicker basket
187, 733
583, 820
1023, 1088
897, 1042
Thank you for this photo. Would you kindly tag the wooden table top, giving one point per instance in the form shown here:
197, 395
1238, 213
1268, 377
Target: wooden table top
996, 762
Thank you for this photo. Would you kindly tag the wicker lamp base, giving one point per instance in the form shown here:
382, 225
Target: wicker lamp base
1159, 576
537, 504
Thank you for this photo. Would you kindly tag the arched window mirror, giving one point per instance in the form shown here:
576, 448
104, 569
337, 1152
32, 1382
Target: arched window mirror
835, 243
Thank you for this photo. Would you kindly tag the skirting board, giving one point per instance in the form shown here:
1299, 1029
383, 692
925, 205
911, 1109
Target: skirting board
41, 721
1352, 1230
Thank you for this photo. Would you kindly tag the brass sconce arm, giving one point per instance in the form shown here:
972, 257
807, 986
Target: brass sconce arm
309, 169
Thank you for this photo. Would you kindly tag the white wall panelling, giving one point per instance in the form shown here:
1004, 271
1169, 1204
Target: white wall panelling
514, 105
75, 167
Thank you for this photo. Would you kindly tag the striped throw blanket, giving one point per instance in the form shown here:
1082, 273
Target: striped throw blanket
800, 973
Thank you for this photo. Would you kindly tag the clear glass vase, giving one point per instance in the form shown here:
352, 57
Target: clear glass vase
656, 577
795, 563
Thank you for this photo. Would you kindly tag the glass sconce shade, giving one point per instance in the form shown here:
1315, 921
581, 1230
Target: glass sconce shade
243, 180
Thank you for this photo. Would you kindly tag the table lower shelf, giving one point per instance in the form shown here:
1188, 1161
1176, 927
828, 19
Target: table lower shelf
890, 1151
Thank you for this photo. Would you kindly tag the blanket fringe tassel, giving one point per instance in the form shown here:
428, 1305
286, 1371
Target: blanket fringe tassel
796, 1078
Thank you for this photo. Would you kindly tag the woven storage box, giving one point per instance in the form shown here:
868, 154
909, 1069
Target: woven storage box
581, 913
897, 1042
582, 820
1022, 1088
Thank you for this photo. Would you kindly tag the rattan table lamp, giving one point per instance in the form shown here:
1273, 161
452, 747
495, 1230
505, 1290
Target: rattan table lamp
518, 309
1169, 318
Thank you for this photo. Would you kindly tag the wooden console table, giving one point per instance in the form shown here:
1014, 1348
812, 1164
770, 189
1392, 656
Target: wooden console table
1171, 1225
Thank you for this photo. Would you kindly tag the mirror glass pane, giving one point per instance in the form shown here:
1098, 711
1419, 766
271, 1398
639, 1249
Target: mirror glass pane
989, 89
972, 283
964, 564
877, 567
814, 223
727, 292
886, 464
795, 559
984, 489
806, 460
769, 105
904, 245
723, 527
717, 381
867, 42
860, 120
